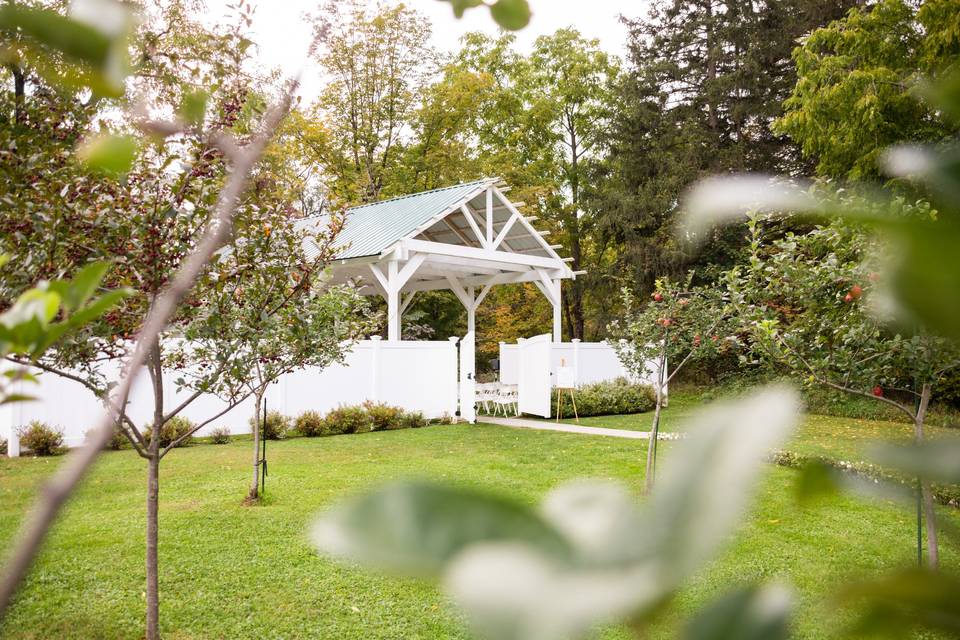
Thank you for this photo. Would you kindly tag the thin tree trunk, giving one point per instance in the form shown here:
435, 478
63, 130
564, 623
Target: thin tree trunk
926, 495
655, 428
153, 529
19, 93
153, 495
254, 492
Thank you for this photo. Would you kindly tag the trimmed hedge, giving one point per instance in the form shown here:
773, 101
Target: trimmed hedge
612, 397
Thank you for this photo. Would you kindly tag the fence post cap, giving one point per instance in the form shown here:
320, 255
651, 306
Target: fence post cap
576, 340
454, 339
376, 338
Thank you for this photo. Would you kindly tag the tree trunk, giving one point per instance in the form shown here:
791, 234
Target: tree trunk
926, 495
254, 492
19, 93
655, 427
153, 529
155, 367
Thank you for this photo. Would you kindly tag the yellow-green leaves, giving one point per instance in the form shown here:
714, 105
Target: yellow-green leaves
109, 154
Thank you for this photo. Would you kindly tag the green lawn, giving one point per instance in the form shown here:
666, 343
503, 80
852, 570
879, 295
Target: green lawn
819, 435
229, 571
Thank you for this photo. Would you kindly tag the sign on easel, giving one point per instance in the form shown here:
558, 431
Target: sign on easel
566, 382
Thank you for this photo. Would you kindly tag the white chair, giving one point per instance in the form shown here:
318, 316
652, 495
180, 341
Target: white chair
486, 395
507, 396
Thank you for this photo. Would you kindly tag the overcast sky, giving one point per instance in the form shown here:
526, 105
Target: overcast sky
283, 36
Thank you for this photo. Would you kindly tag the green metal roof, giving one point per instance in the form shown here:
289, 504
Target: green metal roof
372, 228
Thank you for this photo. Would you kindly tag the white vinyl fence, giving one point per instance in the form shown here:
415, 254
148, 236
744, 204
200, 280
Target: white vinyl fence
591, 362
418, 376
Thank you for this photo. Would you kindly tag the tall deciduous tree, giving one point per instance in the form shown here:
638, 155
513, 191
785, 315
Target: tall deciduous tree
857, 85
377, 61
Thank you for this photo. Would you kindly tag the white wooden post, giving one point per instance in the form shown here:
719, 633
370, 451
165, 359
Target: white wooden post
471, 310
6, 419
557, 325
393, 302
375, 369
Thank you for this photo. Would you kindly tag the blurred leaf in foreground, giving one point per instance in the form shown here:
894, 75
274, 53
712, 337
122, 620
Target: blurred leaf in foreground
592, 554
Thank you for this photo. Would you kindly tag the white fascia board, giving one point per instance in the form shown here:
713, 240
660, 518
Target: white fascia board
441, 248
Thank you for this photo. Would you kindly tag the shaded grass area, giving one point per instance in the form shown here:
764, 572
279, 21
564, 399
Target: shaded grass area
249, 572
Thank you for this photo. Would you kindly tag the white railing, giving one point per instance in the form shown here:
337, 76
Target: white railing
418, 376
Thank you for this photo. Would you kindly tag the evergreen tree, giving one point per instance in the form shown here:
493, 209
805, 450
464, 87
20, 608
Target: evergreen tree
706, 80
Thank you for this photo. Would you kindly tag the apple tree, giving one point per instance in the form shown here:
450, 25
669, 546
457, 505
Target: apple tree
814, 303
679, 325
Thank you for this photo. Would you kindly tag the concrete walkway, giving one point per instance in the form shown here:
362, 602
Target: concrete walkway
545, 425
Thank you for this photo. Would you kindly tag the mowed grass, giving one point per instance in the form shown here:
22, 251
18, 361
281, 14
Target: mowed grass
229, 571
819, 435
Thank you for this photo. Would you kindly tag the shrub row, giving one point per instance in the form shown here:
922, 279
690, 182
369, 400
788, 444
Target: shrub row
611, 397
42, 440
370, 416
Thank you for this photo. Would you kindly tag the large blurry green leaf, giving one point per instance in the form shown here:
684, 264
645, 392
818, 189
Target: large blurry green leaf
937, 460
897, 603
511, 14
460, 6
751, 613
81, 288
93, 37
594, 554
74, 39
109, 154
193, 106
416, 527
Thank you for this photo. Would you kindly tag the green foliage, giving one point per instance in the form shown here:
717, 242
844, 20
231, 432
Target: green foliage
220, 435
412, 420
92, 42
275, 427
611, 397
3, 446
348, 420
559, 572
697, 96
42, 316
41, 439
174, 428
859, 81
310, 424
382, 416
807, 302
680, 324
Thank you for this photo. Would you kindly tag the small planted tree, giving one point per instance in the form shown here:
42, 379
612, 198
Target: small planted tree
811, 303
679, 325
273, 300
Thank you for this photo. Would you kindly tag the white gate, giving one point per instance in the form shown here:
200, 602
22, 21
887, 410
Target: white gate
468, 382
534, 384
